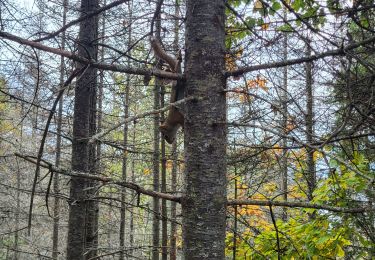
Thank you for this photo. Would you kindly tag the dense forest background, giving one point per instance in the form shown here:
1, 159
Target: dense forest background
276, 159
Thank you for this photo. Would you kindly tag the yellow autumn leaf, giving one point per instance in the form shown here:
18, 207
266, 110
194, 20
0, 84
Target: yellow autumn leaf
169, 164
277, 150
339, 251
265, 26
146, 171
270, 187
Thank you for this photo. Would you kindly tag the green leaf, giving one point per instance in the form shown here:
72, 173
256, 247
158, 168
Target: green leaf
285, 28
276, 6
298, 4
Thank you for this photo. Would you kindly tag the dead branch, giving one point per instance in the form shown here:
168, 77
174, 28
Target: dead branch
132, 118
103, 179
298, 204
336, 52
102, 66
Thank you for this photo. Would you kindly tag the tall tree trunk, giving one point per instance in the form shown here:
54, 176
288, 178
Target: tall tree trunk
284, 101
56, 178
204, 206
124, 160
156, 181
164, 222
173, 232
82, 226
100, 110
311, 178
156, 160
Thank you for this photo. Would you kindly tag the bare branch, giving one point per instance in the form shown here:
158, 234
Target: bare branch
82, 18
103, 179
103, 66
298, 204
131, 119
336, 52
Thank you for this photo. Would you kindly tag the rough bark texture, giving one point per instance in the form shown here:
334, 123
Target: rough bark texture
204, 207
82, 229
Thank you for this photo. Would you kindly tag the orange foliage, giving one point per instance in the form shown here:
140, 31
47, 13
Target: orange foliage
259, 82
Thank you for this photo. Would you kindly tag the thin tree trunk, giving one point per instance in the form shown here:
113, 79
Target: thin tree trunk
18, 209
156, 159
156, 182
173, 234
56, 178
100, 111
124, 161
204, 206
311, 178
124, 171
82, 226
131, 232
284, 143
164, 223
235, 211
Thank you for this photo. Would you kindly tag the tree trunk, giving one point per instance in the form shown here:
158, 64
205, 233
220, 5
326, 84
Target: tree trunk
284, 101
173, 232
131, 231
164, 223
56, 179
82, 226
156, 159
204, 206
311, 178
124, 160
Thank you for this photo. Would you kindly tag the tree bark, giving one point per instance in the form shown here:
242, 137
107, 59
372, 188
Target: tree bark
124, 160
156, 159
164, 222
311, 178
173, 231
204, 205
284, 102
56, 178
82, 226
